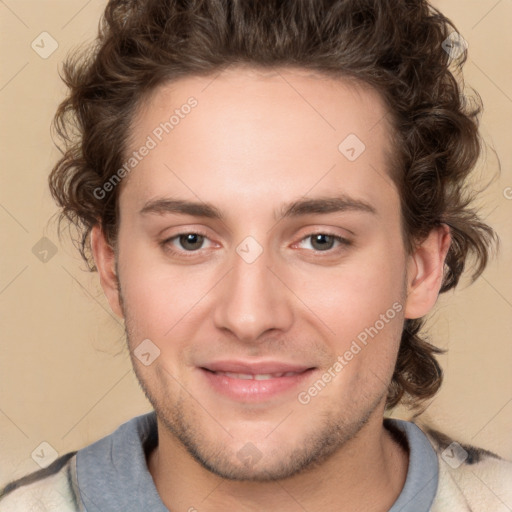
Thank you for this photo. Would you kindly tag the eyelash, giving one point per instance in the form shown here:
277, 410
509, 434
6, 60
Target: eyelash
166, 244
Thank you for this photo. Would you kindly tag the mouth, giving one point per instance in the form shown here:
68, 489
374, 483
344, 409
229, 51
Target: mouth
257, 376
260, 382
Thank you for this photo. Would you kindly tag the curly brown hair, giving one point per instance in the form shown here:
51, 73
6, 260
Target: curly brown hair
396, 46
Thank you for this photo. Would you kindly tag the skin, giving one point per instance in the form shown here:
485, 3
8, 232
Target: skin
253, 144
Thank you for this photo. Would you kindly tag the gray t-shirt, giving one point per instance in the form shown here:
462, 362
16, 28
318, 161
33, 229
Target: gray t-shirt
113, 475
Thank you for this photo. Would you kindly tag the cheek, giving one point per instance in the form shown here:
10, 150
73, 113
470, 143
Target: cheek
155, 295
342, 300
359, 307
353, 295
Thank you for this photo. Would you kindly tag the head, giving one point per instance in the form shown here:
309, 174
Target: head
335, 136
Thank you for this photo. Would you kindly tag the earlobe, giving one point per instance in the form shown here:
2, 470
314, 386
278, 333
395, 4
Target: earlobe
104, 258
426, 272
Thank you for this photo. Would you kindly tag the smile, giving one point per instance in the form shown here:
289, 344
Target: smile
255, 387
258, 376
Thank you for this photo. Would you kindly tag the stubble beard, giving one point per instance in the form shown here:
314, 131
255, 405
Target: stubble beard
184, 423
183, 419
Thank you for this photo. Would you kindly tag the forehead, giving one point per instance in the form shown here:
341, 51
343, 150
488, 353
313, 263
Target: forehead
261, 134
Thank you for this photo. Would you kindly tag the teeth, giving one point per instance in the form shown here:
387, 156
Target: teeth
244, 376
265, 376
259, 376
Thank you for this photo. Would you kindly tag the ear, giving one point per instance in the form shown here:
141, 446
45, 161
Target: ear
425, 272
104, 258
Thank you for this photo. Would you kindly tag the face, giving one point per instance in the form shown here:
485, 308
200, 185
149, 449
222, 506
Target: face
271, 307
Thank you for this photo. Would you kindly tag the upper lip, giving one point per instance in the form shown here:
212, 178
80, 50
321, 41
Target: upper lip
254, 368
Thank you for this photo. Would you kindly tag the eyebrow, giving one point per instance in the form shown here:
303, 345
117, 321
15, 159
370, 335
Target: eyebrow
297, 208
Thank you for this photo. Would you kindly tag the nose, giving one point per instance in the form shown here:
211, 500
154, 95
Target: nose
253, 300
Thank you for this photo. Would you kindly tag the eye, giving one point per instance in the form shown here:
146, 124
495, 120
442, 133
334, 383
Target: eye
187, 242
324, 241
192, 242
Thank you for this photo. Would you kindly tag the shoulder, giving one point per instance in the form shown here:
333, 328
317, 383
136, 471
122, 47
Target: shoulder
56, 489
470, 478
52, 488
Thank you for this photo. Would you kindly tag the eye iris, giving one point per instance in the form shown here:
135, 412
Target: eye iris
193, 239
321, 238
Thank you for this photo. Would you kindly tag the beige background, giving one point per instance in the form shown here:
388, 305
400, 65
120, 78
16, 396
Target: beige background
66, 378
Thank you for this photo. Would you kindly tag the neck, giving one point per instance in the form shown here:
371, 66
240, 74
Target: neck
367, 473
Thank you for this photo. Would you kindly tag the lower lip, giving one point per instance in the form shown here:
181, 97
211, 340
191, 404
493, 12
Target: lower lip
246, 390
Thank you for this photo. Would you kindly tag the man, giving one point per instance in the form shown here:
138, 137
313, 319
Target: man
273, 195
